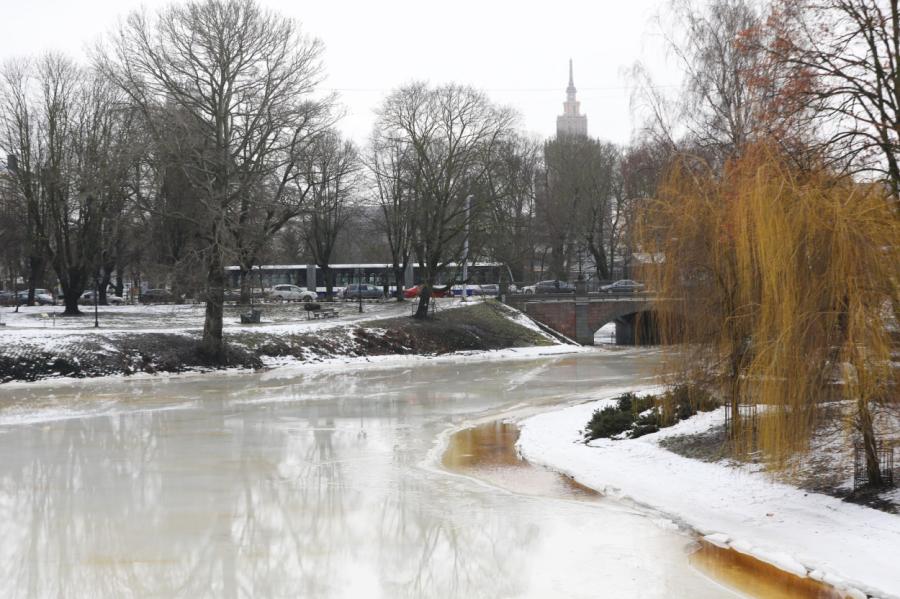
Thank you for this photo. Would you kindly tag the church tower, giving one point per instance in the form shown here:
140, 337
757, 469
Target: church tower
570, 122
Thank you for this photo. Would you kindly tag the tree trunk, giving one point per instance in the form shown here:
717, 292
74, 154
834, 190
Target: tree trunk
557, 261
73, 287
35, 274
873, 472
424, 298
104, 286
329, 281
399, 282
246, 289
212, 346
120, 281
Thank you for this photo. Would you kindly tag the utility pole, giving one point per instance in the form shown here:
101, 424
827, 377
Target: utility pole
465, 266
96, 299
359, 288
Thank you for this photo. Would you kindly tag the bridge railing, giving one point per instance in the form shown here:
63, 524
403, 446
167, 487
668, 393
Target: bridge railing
568, 297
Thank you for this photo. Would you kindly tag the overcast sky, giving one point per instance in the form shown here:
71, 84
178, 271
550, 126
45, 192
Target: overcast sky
517, 51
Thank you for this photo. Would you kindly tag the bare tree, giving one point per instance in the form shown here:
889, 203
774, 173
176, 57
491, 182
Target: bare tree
23, 188
449, 133
577, 208
390, 169
511, 183
240, 78
331, 170
75, 144
851, 50
719, 107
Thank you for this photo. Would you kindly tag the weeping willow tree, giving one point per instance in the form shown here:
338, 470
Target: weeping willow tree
777, 286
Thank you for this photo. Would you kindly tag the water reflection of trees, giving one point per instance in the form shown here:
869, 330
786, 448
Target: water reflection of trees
249, 500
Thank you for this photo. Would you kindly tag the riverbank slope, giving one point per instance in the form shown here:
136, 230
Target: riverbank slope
854, 548
29, 353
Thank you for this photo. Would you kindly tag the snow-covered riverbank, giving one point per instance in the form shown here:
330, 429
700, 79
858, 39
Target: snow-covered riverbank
851, 547
384, 333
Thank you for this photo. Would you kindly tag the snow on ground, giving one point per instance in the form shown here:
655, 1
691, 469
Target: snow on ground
852, 547
47, 321
526, 321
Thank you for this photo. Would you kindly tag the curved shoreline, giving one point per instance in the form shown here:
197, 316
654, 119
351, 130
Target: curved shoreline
731, 508
476, 450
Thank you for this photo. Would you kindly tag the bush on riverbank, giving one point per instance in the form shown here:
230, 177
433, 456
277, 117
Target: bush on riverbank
634, 416
103, 355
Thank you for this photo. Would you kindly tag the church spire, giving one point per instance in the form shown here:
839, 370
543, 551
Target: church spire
570, 91
571, 122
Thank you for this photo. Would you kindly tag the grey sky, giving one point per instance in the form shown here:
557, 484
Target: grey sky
517, 51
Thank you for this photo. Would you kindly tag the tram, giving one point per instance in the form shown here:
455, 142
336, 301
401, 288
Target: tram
268, 275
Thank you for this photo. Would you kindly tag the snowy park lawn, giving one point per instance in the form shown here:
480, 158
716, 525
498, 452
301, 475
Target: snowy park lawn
45, 321
164, 338
852, 547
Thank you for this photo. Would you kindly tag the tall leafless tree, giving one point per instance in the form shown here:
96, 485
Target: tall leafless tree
390, 172
331, 170
75, 141
449, 133
851, 51
509, 222
241, 79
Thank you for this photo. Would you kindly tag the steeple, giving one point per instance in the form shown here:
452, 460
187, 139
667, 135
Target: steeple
571, 122
570, 91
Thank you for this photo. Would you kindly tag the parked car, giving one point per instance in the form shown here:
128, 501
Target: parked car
553, 286
623, 286
490, 289
364, 290
157, 296
41, 296
291, 293
435, 292
88, 298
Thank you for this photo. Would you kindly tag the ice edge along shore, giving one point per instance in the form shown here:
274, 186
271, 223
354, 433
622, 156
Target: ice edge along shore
850, 547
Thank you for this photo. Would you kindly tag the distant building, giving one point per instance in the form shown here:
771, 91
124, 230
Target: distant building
570, 122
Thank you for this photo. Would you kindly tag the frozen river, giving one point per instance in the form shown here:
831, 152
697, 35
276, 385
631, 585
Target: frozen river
327, 483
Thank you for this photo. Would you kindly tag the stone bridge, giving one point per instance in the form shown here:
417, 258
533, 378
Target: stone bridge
579, 317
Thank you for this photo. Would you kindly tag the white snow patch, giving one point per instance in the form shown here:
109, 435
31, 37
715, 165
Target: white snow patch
852, 547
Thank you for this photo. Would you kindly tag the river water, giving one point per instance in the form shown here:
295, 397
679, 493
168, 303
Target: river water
325, 483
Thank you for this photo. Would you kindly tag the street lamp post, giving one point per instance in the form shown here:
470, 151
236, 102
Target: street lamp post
359, 288
465, 266
96, 300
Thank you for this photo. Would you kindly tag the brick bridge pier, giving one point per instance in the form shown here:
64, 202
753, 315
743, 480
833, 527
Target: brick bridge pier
579, 317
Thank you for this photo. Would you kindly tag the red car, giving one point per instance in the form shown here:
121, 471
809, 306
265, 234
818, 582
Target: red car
435, 292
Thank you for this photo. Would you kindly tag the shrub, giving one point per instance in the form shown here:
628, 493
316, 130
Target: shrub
682, 402
642, 415
608, 422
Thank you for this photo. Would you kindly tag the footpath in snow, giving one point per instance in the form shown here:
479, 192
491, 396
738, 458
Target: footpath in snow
854, 548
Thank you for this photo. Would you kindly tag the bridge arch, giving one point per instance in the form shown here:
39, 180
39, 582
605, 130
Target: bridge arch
580, 317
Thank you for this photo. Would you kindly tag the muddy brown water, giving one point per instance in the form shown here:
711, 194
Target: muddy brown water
488, 452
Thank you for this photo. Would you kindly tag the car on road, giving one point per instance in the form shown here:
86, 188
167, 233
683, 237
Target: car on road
364, 290
88, 298
416, 289
552, 286
41, 296
291, 293
623, 286
157, 296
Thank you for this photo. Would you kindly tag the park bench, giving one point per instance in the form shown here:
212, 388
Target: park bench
251, 317
316, 311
